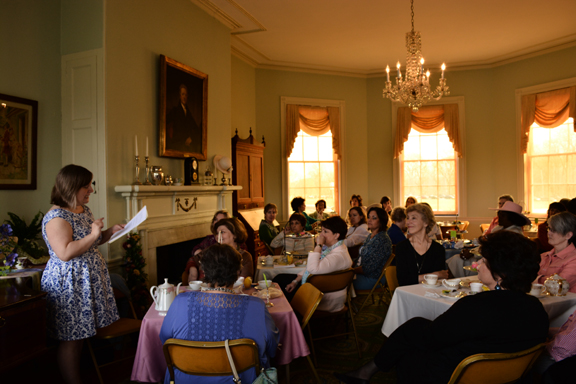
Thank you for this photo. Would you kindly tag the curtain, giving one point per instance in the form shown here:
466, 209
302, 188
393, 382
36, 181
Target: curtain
548, 109
314, 121
428, 119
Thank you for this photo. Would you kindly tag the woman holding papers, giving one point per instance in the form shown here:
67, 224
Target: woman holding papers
80, 297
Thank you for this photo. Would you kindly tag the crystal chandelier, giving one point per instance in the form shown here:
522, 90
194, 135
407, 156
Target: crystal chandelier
414, 89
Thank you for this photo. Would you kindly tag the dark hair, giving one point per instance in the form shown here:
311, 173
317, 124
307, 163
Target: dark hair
237, 229
220, 212
384, 200
512, 257
360, 212
298, 217
506, 197
269, 206
558, 207
398, 214
321, 201
571, 206
408, 198
296, 203
565, 202
514, 218
68, 182
221, 264
337, 225
382, 216
357, 197
563, 223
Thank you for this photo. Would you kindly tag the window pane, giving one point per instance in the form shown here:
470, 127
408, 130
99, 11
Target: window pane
325, 148
296, 154
428, 148
310, 148
328, 195
411, 174
296, 174
429, 173
327, 175
295, 192
312, 175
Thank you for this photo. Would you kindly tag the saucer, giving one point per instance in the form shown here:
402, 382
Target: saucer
430, 285
538, 296
450, 296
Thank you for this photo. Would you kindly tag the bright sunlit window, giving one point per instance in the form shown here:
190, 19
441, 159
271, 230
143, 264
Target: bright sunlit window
550, 166
429, 170
312, 171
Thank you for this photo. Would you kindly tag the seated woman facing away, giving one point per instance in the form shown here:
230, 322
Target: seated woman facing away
267, 230
216, 314
395, 232
298, 240
419, 255
333, 257
320, 214
298, 205
375, 252
358, 229
426, 352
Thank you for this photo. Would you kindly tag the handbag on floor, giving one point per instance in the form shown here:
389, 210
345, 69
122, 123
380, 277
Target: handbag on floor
266, 376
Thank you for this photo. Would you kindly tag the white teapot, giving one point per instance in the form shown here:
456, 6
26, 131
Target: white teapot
164, 296
556, 285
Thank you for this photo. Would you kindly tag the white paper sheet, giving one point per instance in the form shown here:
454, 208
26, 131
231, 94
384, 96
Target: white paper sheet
136, 221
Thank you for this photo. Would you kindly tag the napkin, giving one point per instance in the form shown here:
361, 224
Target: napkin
459, 244
432, 294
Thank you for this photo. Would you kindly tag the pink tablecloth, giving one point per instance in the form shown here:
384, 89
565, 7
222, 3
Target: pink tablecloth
150, 366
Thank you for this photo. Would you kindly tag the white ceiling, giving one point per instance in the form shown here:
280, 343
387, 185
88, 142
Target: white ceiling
359, 37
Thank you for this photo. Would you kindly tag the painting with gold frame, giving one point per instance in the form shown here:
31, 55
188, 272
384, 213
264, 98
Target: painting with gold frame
18, 142
183, 110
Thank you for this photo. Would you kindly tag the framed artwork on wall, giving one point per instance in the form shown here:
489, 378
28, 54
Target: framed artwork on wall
183, 110
18, 142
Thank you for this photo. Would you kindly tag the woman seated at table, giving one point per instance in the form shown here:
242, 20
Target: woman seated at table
508, 320
410, 200
358, 229
395, 232
293, 238
562, 258
375, 252
542, 240
331, 258
435, 233
419, 255
267, 230
320, 214
386, 203
216, 314
298, 205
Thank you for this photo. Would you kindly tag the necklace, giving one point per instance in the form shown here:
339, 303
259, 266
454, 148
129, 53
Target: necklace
221, 289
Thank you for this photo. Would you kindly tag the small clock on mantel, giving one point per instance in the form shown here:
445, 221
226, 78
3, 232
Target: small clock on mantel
191, 175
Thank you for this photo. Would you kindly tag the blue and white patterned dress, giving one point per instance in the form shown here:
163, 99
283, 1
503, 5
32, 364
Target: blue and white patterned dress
80, 297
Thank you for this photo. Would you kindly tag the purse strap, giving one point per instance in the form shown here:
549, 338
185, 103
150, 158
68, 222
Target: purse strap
232, 365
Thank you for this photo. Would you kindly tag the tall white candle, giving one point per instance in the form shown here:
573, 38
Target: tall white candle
443, 68
146, 146
136, 145
388, 73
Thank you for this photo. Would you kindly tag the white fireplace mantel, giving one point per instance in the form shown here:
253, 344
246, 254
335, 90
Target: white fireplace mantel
175, 214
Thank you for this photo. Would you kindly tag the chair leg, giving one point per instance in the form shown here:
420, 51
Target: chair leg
313, 369
312, 344
354, 327
288, 373
94, 361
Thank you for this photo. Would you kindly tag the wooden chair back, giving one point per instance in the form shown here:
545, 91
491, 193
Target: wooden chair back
305, 302
495, 368
332, 282
354, 251
391, 278
446, 230
203, 358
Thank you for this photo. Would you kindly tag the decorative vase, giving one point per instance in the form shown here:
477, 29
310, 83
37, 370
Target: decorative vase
157, 175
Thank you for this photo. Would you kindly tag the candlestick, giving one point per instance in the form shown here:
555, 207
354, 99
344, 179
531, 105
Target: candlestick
147, 182
387, 73
136, 145
146, 146
443, 68
398, 67
137, 174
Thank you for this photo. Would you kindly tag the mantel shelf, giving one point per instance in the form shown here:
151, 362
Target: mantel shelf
172, 189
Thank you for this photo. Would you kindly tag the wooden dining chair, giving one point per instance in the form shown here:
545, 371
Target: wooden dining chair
391, 278
445, 229
495, 368
333, 282
120, 328
204, 358
381, 285
304, 303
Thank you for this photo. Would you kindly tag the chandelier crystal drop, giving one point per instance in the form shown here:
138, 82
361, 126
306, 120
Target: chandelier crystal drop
414, 88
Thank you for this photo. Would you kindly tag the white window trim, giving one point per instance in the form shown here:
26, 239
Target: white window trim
341, 164
461, 162
522, 187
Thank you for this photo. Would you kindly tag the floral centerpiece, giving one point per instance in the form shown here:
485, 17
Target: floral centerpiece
8, 243
136, 279
30, 243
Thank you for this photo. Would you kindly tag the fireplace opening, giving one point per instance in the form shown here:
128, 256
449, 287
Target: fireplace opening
171, 260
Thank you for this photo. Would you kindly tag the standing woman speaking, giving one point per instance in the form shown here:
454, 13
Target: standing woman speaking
80, 297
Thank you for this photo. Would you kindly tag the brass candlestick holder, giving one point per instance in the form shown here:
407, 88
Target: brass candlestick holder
147, 182
137, 174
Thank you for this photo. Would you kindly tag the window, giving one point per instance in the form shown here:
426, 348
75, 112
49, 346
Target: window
312, 171
428, 168
550, 169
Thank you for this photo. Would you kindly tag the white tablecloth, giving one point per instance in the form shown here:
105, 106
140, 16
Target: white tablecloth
409, 302
271, 272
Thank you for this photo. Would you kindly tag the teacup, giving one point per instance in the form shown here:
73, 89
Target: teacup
476, 287
238, 285
269, 260
431, 279
451, 284
537, 289
195, 285
262, 283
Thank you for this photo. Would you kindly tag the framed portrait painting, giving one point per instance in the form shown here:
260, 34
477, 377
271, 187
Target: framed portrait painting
183, 110
18, 142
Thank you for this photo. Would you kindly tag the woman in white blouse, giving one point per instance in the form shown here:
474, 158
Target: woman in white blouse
358, 230
293, 238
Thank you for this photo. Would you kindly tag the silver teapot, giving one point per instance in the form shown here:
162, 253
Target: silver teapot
556, 285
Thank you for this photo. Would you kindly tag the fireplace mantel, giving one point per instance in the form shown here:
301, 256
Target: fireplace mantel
175, 214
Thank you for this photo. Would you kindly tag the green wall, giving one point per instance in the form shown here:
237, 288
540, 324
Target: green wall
82, 25
243, 87
30, 68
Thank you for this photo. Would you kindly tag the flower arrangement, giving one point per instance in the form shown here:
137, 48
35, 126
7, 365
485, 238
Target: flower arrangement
30, 243
136, 279
474, 267
8, 243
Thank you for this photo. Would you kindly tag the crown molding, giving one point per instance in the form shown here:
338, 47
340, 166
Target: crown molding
231, 15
